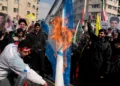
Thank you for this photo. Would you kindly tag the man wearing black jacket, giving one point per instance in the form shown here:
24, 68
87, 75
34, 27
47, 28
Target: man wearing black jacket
38, 41
98, 60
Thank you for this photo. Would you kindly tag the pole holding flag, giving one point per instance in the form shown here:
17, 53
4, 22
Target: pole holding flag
103, 13
75, 36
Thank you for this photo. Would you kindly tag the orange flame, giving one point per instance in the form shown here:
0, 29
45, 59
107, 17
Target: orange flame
61, 34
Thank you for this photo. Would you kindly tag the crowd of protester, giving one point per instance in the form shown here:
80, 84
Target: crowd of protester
19, 47
95, 61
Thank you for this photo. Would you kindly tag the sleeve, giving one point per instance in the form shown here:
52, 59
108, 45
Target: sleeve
34, 77
119, 35
17, 65
91, 33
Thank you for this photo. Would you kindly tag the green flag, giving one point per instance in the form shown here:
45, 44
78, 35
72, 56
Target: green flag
77, 33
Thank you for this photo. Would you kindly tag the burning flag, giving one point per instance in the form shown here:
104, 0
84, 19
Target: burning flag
61, 34
68, 14
63, 37
63, 76
6, 23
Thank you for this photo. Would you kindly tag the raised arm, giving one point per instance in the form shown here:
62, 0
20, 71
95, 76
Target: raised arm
93, 37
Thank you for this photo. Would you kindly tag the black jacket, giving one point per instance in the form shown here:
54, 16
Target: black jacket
6, 40
38, 41
100, 53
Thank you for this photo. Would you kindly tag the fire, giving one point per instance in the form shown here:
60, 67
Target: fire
61, 33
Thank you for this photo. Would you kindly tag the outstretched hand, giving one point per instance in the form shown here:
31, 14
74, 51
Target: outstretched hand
45, 84
89, 19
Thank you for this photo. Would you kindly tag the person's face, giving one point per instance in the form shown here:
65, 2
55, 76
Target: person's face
117, 45
6, 25
22, 25
24, 53
115, 36
32, 23
109, 31
1, 19
20, 34
101, 35
114, 24
37, 28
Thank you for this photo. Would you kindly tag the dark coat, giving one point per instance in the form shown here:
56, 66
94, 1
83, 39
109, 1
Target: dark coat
94, 61
38, 41
114, 73
100, 53
115, 60
37, 56
6, 40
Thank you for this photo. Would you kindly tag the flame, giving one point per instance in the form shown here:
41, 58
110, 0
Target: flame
61, 34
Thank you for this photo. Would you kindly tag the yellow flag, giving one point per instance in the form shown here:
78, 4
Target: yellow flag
30, 16
98, 25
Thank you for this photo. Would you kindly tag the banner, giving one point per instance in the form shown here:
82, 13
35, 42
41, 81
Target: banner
6, 23
105, 24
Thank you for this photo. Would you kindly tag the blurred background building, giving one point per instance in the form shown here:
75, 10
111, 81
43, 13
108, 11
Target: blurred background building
21, 8
94, 7
119, 9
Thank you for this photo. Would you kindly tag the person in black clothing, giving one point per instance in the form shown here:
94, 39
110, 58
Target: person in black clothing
38, 41
114, 74
96, 62
4, 40
74, 60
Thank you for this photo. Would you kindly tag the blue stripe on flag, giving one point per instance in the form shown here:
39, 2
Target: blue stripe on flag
45, 27
49, 50
68, 13
60, 53
68, 9
67, 70
51, 56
